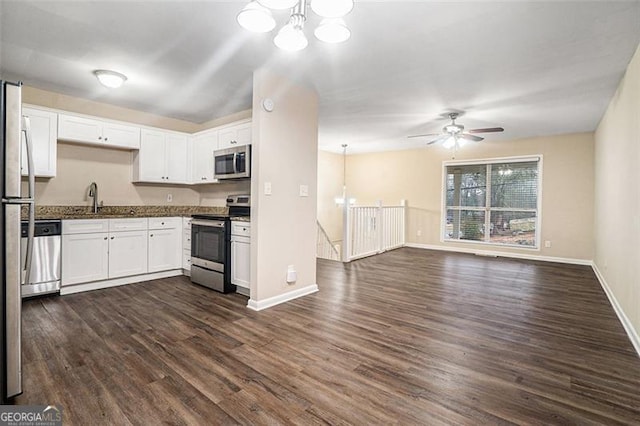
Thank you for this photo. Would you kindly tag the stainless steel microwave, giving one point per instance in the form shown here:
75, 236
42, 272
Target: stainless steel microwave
232, 163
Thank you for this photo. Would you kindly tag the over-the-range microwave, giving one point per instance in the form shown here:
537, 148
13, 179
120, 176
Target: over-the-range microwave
232, 163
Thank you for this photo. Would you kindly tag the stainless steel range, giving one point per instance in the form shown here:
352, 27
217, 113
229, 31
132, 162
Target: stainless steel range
211, 245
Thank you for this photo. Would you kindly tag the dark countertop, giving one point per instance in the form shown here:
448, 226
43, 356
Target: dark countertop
117, 212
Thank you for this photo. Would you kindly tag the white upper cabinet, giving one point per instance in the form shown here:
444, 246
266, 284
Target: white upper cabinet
44, 135
237, 135
162, 158
203, 145
98, 132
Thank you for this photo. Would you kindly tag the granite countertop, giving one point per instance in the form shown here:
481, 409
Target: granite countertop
113, 212
241, 218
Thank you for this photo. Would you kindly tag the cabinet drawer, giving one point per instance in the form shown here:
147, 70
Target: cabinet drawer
129, 224
84, 226
186, 260
164, 222
241, 228
186, 223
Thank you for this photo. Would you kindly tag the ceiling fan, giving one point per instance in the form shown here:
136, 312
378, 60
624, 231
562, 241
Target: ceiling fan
454, 136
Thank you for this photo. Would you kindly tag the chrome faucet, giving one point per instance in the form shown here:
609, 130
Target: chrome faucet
93, 192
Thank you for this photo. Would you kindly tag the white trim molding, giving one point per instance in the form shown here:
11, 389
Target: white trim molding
259, 305
494, 253
626, 323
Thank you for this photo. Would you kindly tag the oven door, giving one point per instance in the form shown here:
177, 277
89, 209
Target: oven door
208, 244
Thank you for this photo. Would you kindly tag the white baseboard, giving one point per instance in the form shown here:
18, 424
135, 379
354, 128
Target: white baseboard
96, 285
258, 305
502, 254
628, 327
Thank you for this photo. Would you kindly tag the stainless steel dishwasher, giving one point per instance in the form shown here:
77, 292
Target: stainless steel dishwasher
45, 266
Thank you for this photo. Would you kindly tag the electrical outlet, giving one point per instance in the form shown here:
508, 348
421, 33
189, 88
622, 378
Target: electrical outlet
169, 198
547, 244
304, 190
267, 188
419, 233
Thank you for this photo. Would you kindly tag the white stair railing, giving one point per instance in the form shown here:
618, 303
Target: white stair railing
370, 230
325, 248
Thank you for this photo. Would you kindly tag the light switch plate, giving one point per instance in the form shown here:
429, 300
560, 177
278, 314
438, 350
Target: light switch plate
304, 190
267, 188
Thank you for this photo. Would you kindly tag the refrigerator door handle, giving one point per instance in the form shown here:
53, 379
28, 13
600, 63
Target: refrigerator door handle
26, 274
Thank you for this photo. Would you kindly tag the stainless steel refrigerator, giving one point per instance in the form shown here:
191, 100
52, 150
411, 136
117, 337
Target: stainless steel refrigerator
15, 139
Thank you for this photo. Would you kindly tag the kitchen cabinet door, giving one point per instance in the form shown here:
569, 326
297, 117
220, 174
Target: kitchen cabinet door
79, 129
44, 137
121, 135
127, 253
85, 258
165, 249
177, 158
203, 146
234, 136
97, 132
150, 160
241, 261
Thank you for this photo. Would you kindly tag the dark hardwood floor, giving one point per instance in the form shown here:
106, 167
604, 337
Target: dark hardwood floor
407, 337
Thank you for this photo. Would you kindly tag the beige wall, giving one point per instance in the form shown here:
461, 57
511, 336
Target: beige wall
111, 169
285, 150
31, 95
330, 180
416, 176
617, 198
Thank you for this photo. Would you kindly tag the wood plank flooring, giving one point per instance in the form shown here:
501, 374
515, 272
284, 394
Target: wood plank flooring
408, 337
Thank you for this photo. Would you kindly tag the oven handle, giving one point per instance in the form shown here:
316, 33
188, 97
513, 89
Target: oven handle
210, 223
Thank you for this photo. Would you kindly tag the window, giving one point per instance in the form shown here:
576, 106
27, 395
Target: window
493, 202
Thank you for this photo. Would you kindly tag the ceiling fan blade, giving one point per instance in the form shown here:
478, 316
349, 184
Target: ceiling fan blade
442, 138
421, 136
470, 137
487, 130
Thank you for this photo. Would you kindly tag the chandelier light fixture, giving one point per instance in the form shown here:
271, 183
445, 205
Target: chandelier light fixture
257, 16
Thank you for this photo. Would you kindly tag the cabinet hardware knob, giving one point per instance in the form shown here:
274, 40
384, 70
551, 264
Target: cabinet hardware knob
106, 139
112, 238
151, 235
105, 238
99, 137
162, 223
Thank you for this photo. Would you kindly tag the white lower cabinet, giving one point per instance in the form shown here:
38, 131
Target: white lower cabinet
85, 258
186, 244
101, 249
127, 253
165, 243
241, 254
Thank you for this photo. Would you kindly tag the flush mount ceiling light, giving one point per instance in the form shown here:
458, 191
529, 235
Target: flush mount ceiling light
110, 79
257, 17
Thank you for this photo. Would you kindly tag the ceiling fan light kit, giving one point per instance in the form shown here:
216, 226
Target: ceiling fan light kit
454, 136
257, 16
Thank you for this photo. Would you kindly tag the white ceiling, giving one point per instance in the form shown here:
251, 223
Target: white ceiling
534, 68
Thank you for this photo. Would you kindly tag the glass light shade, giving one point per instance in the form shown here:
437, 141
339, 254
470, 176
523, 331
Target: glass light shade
278, 4
290, 38
110, 79
256, 18
449, 143
462, 142
331, 8
332, 31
